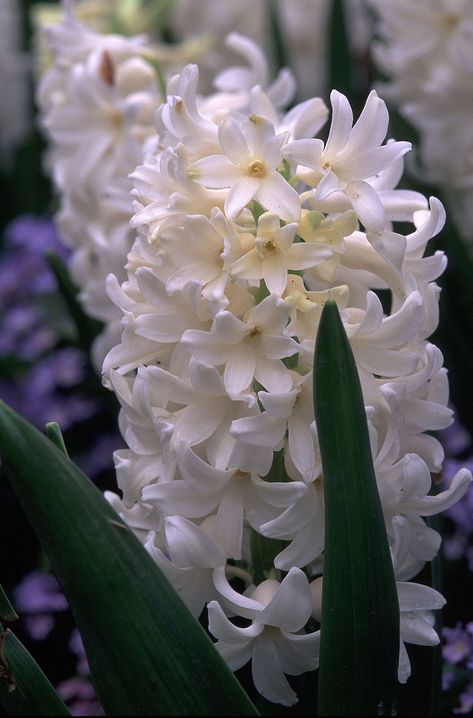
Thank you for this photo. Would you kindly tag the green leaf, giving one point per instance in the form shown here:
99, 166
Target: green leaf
276, 34
56, 315
339, 75
54, 434
147, 653
7, 612
24, 689
360, 614
87, 327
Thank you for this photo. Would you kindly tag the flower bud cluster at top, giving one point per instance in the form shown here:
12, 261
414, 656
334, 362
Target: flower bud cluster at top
246, 224
424, 50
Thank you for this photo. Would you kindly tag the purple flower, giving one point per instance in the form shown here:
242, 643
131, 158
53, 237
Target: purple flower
466, 700
455, 439
39, 596
34, 234
99, 457
24, 271
39, 592
461, 513
50, 390
77, 647
24, 334
80, 697
458, 644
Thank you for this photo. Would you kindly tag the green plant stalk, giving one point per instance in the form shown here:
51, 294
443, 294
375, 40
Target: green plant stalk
147, 653
359, 648
264, 550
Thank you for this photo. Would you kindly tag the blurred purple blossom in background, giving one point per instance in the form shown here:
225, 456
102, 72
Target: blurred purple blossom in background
38, 597
40, 391
78, 691
457, 652
457, 648
458, 644
24, 274
459, 452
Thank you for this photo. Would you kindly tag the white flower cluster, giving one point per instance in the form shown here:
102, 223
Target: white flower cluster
246, 224
424, 48
14, 71
97, 103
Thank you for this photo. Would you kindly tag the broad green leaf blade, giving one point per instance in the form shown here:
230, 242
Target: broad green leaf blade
360, 614
147, 654
24, 689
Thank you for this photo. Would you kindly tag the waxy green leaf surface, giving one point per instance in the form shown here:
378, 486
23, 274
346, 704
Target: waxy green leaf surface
147, 654
360, 614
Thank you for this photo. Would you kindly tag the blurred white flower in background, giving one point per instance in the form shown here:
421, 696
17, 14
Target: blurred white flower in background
424, 51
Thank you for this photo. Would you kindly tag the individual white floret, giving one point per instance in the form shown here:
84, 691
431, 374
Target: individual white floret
187, 556
249, 167
252, 347
351, 155
275, 641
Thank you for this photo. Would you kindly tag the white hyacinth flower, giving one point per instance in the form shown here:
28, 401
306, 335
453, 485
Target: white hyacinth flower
246, 225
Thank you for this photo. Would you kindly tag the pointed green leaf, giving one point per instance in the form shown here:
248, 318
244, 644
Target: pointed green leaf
7, 612
87, 327
24, 689
54, 434
339, 75
276, 34
360, 614
147, 653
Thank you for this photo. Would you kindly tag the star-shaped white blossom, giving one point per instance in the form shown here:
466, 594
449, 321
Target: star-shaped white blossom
275, 252
248, 166
351, 156
250, 349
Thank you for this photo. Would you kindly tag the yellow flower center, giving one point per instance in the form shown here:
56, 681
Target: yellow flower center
254, 333
265, 247
257, 169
